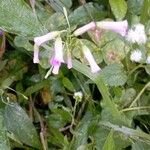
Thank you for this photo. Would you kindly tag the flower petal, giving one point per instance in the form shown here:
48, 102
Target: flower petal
120, 27
88, 55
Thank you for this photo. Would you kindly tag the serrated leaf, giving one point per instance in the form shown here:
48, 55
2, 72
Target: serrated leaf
114, 75
17, 122
119, 8
109, 143
18, 18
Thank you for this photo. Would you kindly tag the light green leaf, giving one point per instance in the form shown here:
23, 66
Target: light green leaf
119, 8
17, 122
145, 12
114, 75
109, 143
17, 17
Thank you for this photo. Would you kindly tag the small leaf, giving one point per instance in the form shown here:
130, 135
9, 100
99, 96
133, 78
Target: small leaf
17, 122
68, 84
114, 75
119, 8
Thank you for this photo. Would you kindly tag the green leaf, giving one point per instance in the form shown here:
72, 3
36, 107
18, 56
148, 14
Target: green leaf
82, 132
134, 6
114, 75
18, 18
4, 144
36, 87
21, 41
140, 146
58, 5
17, 122
59, 118
119, 8
109, 143
68, 84
87, 12
147, 69
145, 11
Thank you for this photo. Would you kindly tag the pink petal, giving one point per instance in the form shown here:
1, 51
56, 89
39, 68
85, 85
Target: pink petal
85, 28
88, 55
58, 49
42, 39
120, 27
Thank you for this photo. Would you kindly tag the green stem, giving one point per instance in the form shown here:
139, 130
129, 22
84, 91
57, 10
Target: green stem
139, 95
134, 108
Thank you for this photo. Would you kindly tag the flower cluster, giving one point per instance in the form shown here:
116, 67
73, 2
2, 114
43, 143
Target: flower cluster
134, 35
57, 58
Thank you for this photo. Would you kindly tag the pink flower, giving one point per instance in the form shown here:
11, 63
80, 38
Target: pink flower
55, 65
85, 28
120, 27
36, 54
88, 55
57, 59
49, 36
59, 49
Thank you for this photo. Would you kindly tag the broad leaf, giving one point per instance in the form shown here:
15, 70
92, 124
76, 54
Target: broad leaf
17, 122
17, 17
114, 75
119, 8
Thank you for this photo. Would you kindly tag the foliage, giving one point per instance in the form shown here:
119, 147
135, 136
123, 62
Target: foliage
40, 110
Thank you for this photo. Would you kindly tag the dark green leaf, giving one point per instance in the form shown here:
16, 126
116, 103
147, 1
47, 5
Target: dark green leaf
17, 122
4, 144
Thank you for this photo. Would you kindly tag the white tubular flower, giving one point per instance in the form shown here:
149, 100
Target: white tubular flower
137, 34
36, 54
136, 56
85, 28
88, 55
148, 60
49, 36
120, 27
58, 49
